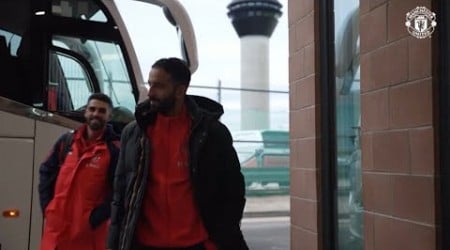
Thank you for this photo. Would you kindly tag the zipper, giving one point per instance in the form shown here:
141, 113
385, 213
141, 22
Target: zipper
198, 145
135, 190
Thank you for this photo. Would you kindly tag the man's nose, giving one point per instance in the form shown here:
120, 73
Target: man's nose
151, 92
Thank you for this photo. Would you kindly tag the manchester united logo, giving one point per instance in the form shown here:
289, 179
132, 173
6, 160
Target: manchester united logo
420, 22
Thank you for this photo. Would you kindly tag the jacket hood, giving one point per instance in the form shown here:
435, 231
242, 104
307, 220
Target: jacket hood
207, 105
198, 106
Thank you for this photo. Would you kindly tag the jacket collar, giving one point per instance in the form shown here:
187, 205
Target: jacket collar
197, 107
108, 135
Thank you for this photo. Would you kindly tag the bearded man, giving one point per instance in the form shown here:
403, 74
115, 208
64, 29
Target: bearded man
178, 183
75, 185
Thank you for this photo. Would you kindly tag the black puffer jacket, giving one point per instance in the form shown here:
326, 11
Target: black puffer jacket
218, 184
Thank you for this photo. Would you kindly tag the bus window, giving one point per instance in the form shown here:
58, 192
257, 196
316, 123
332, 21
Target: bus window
107, 61
81, 9
12, 41
69, 85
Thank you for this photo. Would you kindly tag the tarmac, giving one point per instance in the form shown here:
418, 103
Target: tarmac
267, 206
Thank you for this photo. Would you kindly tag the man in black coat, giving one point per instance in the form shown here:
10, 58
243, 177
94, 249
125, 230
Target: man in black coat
178, 183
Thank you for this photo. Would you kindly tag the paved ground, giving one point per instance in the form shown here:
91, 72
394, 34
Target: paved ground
267, 206
267, 233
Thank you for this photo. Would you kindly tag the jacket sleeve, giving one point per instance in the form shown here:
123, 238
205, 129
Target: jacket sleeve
48, 172
119, 186
102, 212
233, 193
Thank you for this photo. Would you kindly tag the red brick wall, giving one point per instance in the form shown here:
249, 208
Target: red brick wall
397, 129
304, 115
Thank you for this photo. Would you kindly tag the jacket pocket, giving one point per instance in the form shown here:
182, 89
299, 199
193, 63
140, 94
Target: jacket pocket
80, 227
54, 217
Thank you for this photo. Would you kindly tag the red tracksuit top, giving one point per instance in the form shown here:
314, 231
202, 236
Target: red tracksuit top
81, 186
169, 215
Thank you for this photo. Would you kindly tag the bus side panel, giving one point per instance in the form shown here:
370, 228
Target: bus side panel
15, 126
16, 154
24, 144
46, 135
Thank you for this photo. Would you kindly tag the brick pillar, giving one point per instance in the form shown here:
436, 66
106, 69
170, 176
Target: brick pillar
304, 113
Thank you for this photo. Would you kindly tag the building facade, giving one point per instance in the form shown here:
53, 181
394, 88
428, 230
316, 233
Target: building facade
369, 125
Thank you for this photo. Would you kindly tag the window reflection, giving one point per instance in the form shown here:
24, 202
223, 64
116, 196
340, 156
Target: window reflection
69, 85
348, 122
107, 62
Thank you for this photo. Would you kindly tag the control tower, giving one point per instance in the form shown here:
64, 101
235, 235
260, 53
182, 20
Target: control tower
254, 22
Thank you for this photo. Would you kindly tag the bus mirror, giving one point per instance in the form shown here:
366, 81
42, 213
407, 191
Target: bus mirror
169, 16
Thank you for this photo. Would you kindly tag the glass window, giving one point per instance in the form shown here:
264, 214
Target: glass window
69, 84
80, 9
348, 122
10, 41
107, 62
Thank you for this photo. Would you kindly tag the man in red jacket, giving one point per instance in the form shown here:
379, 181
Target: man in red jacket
75, 182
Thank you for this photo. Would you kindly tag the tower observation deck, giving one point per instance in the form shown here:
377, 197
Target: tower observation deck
254, 17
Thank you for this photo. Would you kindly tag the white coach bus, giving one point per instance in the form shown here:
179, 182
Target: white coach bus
53, 55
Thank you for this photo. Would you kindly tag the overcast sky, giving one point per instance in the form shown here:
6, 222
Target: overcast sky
217, 43
218, 48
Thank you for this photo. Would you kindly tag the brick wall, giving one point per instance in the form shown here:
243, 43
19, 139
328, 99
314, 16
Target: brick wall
397, 129
304, 113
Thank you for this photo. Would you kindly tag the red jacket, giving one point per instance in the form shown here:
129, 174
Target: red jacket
169, 217
81, 187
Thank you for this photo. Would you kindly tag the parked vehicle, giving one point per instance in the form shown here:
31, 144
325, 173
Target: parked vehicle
53, 55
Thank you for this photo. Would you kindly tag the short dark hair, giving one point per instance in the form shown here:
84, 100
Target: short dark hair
101, 97
176, 68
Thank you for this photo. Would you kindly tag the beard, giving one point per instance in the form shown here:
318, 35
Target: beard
96, 124
163, 106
